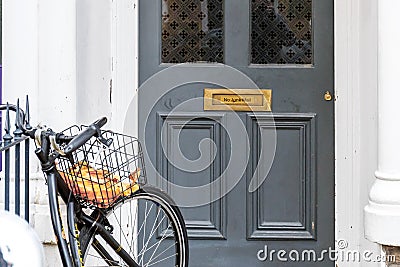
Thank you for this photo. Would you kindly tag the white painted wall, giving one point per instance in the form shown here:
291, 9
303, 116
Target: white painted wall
125, 59
356, 119
93, 31
368, 91
20, 66
106, 59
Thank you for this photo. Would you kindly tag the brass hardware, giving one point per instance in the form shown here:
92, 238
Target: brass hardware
237, 99
327, 96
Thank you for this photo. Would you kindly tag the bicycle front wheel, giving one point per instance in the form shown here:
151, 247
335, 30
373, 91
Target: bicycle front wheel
148, 226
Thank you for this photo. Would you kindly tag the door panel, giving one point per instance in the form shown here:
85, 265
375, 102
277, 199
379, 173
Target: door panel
205, 222
283, 45
269, 216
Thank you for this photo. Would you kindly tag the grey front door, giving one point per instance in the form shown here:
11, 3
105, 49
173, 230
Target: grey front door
282, 45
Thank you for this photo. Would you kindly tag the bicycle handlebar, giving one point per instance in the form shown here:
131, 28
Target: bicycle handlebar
83, 137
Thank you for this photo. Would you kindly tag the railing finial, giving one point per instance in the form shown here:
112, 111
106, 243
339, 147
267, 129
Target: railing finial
27, 115
7, 137
18, 131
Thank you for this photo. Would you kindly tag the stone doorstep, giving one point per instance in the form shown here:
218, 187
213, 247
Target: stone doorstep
393, 251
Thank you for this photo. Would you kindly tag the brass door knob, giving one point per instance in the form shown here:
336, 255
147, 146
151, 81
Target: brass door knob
327, 96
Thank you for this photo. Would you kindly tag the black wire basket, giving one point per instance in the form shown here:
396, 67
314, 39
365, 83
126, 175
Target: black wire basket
99, 175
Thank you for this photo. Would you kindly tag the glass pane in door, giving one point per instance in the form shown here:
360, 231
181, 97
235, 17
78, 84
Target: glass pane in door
281, 32
192, 31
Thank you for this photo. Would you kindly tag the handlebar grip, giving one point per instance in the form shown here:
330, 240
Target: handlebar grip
100, 122
83, 137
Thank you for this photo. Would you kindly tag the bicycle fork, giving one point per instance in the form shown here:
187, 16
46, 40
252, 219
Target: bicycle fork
73, 233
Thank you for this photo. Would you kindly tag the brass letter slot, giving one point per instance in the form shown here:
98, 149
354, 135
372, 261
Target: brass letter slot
237, 99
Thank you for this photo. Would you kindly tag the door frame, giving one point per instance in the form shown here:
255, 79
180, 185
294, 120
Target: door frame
355, 46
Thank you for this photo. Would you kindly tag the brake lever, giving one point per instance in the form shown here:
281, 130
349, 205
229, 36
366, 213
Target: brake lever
104, 141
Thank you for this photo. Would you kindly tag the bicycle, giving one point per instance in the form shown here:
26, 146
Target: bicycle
114, 217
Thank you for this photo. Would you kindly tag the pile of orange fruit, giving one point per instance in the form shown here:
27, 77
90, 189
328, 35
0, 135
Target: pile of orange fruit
99, 185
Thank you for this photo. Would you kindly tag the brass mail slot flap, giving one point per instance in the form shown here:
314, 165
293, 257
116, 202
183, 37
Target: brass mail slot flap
237, 99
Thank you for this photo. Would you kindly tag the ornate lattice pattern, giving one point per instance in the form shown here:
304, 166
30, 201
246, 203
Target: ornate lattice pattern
192, 31
281, 32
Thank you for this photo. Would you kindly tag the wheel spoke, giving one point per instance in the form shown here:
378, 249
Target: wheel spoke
144, 233
133, 227
162, 252
145, 248
121, 231
161, 260
163, 237
141, 226
152, 231
101, 258
153, 245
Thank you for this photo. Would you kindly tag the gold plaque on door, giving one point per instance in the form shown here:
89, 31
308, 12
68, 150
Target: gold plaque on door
237, 99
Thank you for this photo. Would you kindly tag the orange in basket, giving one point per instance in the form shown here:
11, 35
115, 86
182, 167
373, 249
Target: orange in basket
98, 185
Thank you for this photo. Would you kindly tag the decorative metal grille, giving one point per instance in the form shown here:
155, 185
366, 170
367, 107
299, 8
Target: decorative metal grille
281, 32
14, 148
192, 31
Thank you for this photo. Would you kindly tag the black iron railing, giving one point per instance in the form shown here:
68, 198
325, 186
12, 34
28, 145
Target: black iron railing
14, 141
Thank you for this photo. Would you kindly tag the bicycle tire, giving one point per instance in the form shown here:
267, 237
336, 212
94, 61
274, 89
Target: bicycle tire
176, 226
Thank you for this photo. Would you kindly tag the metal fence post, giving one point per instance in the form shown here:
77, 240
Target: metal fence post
27, 126
17, 135
7, 140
